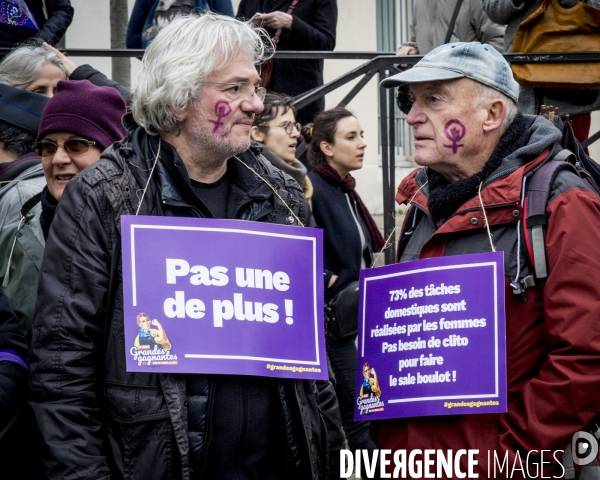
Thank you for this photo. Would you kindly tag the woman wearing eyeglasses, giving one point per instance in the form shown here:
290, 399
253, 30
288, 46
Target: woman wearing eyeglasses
79, 122
276, 131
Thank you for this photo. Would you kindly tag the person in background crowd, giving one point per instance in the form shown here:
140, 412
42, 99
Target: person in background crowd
21, 174
39, 69
311, 26
468, 198
142, 27
577, 103
431, 20
78, 123
32, 68
277, 132
189, 164
336, 147
34, 20
14, 372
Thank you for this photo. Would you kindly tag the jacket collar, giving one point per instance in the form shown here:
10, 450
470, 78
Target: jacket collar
22, 168
171, 183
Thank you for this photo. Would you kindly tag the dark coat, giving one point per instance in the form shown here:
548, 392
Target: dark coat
341, 239
313, 28
135, 425
139, 19
60, 15
87, 72
17, 446
13, 364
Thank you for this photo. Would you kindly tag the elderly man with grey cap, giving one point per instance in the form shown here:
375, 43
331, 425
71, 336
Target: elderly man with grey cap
477, 153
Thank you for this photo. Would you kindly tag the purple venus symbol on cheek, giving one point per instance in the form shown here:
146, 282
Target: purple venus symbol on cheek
222, 109
455, 132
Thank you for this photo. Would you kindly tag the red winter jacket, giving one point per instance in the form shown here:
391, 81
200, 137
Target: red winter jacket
553, 338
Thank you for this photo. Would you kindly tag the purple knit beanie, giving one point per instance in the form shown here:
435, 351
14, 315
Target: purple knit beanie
82, 108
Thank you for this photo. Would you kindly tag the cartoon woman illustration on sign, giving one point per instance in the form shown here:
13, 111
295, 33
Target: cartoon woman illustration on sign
151, 336
370, 385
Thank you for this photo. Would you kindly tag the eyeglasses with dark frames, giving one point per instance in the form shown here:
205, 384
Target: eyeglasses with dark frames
244, 89
75, 146
287, 126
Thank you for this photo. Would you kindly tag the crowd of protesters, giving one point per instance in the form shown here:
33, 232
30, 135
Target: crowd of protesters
77, 149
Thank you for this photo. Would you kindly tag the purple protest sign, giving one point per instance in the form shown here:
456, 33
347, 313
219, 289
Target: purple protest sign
432, 338
223, 296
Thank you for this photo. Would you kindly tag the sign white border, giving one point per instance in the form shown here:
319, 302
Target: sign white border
246, 232
429, 269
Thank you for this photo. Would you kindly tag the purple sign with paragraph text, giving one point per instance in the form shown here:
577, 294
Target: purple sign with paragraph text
431, 338
203, 295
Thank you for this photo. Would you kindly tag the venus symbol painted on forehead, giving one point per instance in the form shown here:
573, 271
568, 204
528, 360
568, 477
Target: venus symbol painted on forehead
222, 109
455, 131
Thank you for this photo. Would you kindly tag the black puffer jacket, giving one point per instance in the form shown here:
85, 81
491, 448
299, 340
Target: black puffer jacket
98, 421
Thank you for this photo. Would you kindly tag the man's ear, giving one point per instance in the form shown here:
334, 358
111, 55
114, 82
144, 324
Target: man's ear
179, 115
326, 149
257, 135
496, 112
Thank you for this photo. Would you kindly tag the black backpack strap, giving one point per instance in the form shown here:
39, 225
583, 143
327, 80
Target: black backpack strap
414, 216
537, 192
453, 21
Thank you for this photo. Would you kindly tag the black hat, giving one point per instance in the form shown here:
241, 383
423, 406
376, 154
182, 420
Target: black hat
21, 108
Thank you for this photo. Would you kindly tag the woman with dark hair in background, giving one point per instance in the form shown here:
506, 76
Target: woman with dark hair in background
336, 148
276, 131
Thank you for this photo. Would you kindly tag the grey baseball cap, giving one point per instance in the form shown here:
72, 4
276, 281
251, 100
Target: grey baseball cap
473, 60
21, 108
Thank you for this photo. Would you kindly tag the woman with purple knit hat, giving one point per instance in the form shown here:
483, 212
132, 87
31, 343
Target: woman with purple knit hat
79, 122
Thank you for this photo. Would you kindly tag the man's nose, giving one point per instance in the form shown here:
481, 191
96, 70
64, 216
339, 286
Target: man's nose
415, 115
61, 157
252, 105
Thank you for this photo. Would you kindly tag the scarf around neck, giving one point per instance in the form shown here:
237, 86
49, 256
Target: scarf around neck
347, 185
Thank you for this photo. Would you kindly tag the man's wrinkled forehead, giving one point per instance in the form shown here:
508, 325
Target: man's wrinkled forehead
236, 69
447, 88
441, 86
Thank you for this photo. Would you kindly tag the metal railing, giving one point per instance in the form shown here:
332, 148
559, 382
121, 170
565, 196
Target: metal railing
383, 65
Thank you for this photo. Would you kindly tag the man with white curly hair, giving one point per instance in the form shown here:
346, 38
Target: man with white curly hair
186, 153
